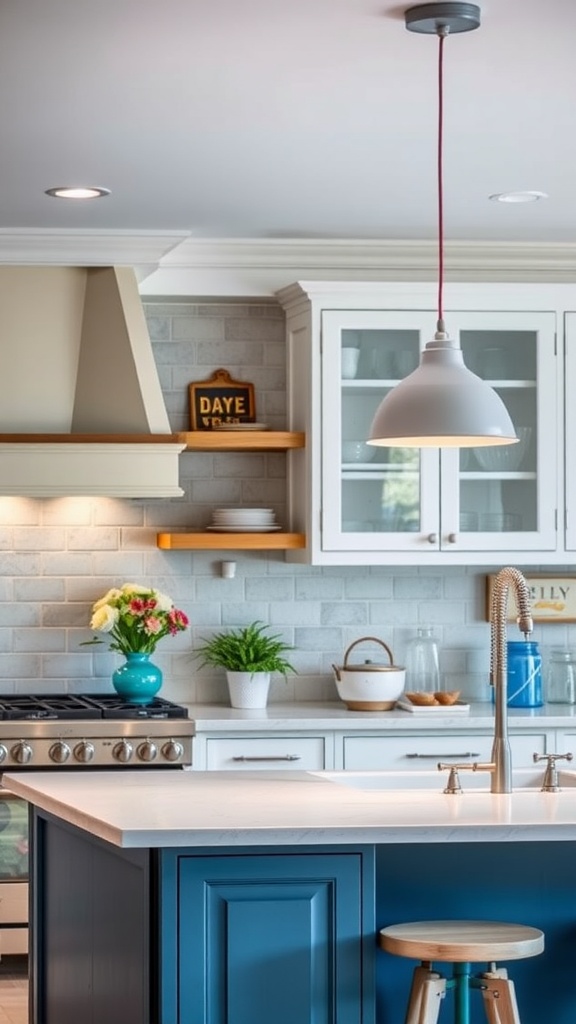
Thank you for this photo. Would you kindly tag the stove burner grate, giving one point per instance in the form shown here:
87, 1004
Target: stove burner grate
87, 706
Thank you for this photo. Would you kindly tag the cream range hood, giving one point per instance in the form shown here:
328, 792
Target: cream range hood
81, 408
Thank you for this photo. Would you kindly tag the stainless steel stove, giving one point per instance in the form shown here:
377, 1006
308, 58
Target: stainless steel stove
64, 732
92, 731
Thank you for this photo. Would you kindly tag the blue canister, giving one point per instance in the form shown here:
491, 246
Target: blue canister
524, 674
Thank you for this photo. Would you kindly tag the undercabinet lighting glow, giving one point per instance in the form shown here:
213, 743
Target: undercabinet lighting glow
77, 192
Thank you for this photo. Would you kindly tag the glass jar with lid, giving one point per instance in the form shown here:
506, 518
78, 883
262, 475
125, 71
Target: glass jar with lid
561, 676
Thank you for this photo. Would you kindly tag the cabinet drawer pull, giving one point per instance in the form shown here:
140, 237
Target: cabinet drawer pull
442, 756
268, 757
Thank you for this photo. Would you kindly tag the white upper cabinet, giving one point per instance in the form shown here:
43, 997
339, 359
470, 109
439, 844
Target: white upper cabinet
570, 405
361, 504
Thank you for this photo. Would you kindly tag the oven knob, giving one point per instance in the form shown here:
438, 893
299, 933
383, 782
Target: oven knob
3, 753
123, 751
84, 751
147, 751
59, 752
173, 750
22, 752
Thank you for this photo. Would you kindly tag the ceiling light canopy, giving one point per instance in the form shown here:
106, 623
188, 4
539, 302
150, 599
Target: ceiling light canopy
442, 404
77, 192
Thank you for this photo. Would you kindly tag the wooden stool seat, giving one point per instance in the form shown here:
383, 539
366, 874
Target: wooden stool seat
462, 941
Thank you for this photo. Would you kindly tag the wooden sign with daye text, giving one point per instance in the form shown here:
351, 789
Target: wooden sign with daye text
221, 400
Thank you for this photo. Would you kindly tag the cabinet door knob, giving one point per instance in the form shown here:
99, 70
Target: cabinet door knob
452, 538
432, 538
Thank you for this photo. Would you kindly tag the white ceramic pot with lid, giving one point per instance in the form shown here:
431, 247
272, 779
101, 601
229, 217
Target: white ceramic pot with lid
369, 685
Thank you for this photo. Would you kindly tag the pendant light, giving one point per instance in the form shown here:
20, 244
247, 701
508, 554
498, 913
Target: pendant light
442, 404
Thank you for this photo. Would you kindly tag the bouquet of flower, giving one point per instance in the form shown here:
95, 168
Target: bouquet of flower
136, 618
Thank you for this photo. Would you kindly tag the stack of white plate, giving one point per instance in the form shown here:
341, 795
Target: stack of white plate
244, 520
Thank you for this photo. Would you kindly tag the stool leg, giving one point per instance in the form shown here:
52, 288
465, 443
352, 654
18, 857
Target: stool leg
461, 977
427, 990
499, 998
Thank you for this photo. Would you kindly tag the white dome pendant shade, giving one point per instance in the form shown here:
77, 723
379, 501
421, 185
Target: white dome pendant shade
442, 404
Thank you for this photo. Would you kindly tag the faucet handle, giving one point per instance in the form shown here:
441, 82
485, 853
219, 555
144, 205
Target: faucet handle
550, 780
453, 784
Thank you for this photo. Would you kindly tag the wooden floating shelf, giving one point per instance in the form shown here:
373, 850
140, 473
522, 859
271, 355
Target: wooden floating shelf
90, 439
205, 541
194, 440
240, 440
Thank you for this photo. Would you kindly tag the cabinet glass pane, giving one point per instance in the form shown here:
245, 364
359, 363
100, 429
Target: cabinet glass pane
381, 354
498, 486
380, 488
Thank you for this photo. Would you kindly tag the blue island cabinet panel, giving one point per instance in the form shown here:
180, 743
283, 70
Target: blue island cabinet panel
268, 937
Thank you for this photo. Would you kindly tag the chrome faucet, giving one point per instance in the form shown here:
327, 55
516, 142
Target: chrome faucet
500, 765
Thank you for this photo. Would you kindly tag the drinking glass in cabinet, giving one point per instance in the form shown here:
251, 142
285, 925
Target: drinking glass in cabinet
384, 354
350, 357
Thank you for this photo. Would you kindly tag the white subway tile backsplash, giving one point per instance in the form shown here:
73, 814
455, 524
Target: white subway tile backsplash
269, 588
318, 588
294, 613
14, 563
418, 588
35, 589
93, 538
38, 640
370, 588
343, 613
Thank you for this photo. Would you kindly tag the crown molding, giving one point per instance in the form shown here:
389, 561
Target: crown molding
174, 264
140, 249
260, 267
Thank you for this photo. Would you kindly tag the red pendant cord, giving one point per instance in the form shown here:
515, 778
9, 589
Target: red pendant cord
441, 36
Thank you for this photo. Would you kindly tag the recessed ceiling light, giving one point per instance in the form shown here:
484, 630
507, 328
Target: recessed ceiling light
77, 192
518, 197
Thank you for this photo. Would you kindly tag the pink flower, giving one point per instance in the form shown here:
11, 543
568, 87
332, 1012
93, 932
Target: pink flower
153, 625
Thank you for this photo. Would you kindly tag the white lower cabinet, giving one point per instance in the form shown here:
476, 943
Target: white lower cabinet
412, 752
247, 753
566, 744
366, 749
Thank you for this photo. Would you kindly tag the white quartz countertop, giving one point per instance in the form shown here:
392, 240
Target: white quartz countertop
195, 809
309, 717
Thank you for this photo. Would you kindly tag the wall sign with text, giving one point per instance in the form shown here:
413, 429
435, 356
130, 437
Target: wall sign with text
220, 399
553, 598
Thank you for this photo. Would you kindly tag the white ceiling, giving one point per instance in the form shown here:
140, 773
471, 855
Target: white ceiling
287, 119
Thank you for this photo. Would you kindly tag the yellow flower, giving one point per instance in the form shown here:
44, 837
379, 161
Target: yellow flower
108, 598
163, 602
133, 588
104, 619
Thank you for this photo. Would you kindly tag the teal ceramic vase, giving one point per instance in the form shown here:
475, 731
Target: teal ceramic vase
137, 681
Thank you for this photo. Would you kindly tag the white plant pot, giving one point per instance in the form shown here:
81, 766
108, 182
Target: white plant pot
248, 689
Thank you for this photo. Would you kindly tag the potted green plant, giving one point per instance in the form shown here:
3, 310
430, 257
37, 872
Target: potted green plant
249, 655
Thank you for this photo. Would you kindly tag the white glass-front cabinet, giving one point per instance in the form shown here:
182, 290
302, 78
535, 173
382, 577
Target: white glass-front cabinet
570, 405
402, 505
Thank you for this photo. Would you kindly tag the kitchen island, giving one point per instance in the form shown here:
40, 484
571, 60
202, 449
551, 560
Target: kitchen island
217, 898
